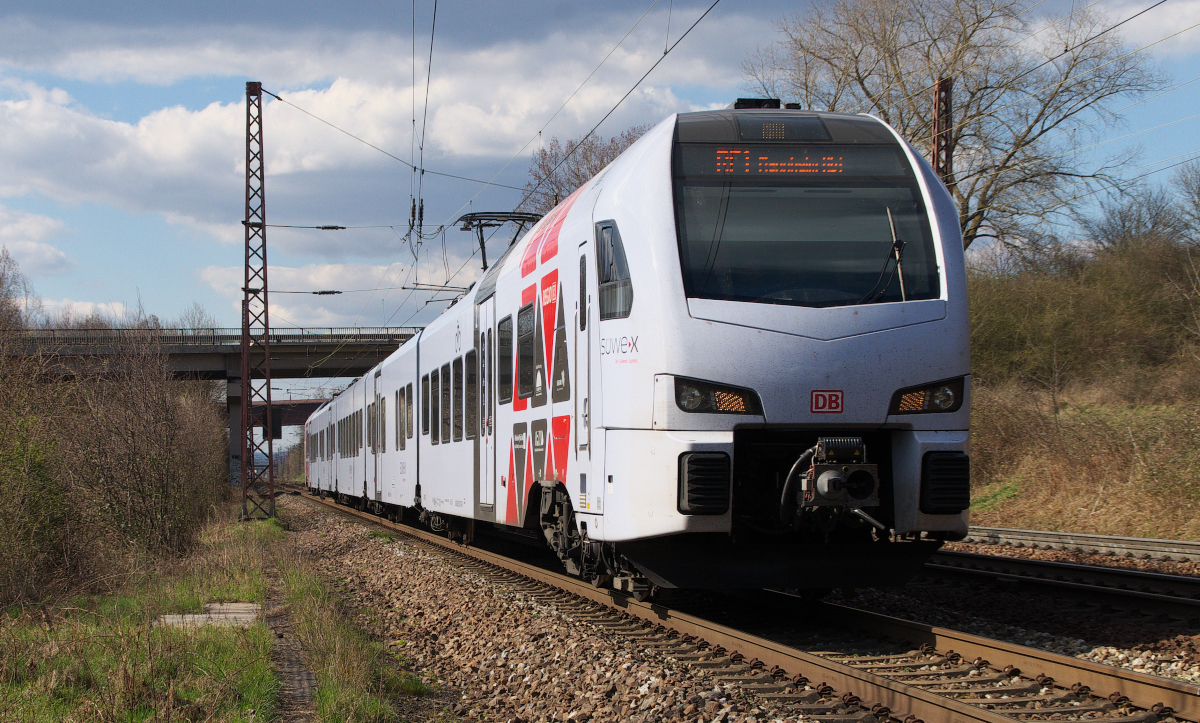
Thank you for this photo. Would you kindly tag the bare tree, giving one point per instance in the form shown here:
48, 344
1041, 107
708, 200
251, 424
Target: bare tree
18, 303
553, 178
1187, 185
1146, 216
1031, 95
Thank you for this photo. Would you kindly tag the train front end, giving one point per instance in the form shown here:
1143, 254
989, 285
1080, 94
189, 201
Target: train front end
802, 321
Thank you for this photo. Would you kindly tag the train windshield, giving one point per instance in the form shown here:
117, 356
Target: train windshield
802, 225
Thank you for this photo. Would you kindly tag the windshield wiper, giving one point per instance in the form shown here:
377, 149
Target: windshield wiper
895, 252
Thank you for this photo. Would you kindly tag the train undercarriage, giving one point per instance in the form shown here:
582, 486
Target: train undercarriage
810, 513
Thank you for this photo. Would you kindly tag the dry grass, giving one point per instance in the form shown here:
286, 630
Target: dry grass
1074, 464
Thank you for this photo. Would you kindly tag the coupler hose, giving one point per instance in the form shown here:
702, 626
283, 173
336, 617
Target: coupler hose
790, 485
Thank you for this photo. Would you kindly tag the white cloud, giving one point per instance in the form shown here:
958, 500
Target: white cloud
24, 234
1158, 24
185, 165
72, 309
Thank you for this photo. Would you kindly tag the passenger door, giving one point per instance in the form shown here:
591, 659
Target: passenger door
585, 347
377, 436
583, 358
487, 403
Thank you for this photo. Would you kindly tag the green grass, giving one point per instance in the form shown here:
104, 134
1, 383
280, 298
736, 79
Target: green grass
387, 539
993, 496
102, 658
357, 678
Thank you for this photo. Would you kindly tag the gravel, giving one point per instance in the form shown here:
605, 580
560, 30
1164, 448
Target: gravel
1169, 567
1146, 643
507, 653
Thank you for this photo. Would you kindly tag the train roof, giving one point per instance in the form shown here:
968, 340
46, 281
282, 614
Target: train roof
776, 126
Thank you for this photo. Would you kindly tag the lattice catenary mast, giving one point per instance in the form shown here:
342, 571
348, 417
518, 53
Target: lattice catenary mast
256, 326
942, 157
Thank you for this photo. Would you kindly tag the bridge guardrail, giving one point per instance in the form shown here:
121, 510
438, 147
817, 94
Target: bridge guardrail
219, 336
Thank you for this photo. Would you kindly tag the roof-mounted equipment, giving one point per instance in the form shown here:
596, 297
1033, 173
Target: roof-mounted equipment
495, 219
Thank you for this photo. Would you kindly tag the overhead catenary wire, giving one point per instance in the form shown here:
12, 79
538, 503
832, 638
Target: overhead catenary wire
530, 192
1082, 74
384, 152
425, 116
1085, 42
960, 179
929, 66
645, 75
531, 140
549, 120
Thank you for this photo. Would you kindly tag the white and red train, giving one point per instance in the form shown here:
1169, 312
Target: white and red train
736, 357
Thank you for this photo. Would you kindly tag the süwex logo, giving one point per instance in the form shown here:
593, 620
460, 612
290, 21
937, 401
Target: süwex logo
619, 345
826, 401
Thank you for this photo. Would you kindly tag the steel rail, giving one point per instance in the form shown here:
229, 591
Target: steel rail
1176, 594
1142, 689
1141, 547
898, 697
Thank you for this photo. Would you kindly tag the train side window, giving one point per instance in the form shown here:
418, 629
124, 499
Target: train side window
425, 404
525, 360
408, 411
382, 424
504, 351
446, 403
472, 402
457, 400
399, 398
612, 273
583, 293
432, 407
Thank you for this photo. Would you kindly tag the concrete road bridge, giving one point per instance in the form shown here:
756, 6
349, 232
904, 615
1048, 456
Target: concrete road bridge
215, 354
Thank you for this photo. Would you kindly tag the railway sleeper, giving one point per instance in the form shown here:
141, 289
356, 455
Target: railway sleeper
906, 671
1033, 687
1049, 698
823, 713
806, 696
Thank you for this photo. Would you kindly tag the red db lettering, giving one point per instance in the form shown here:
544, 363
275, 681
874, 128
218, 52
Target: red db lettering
826, 401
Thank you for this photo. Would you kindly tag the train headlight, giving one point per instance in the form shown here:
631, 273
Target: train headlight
943, 396
688, 396
693, 395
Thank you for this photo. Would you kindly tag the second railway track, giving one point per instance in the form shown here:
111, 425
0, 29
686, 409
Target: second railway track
1131, 547
1178, 595
928, 673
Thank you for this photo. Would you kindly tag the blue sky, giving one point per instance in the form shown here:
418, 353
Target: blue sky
122, 131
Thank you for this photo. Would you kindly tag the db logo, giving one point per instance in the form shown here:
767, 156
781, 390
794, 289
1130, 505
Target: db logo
827, 401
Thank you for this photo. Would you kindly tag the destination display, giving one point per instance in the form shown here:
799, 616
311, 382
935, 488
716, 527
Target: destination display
796, 161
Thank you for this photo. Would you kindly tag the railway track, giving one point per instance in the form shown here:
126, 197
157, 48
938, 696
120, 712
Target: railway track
920, 673
1093, 544
1178, 595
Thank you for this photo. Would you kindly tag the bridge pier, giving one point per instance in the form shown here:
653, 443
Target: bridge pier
233, 405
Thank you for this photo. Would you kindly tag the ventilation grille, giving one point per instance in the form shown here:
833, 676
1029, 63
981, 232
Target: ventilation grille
945, 483
704, 483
